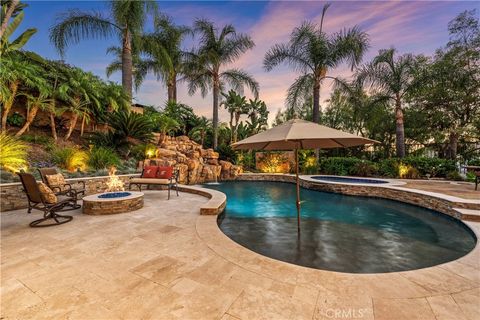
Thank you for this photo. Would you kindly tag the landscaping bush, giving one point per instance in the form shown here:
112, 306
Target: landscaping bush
13, 152
246, 159
102, 158
71, 159
454, 175
388, 168
347, 166
435, 167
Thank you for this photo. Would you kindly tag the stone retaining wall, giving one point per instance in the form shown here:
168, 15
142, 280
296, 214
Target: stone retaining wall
392, 193
12, 196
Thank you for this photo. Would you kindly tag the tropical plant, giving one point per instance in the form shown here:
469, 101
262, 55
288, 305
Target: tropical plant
71, 159
166, 124
392, 77
164, 55
199, 132
16, 71
204, 66
35, 102
314, 53
102, 158
126, 20
182, 114
13, 153
13, 9
258, 115
131, 127
236, 105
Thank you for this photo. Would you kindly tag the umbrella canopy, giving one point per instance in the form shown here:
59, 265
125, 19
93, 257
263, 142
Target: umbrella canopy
300, 134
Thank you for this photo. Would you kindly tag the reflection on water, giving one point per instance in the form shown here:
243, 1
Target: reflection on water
341, 233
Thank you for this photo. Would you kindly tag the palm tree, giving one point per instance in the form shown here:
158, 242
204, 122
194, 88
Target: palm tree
13, 9
81, 94
393, 78
137, 65
258, 115
204, 66
36, 102
236, 105
165, 58
16, 71
126, 20
201, 129
314, 53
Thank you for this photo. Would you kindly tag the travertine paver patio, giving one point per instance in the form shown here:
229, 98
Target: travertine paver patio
166, 261
465, 190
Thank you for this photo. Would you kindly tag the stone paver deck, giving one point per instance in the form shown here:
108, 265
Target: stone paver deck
166, 261
463, 190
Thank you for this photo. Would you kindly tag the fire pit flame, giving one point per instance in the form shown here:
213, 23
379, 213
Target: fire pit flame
114, 183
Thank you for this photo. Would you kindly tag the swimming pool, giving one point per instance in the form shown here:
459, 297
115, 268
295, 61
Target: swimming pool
339, 232
349, 180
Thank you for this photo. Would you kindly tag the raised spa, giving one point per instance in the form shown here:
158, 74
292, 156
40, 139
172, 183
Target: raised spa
339, 232
349, 180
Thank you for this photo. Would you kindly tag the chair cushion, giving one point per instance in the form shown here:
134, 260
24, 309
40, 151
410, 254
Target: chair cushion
55, 180
165, 172
151, 181
150, 172
47, 193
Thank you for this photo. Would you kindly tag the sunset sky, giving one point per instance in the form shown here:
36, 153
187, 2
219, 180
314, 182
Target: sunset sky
416, 27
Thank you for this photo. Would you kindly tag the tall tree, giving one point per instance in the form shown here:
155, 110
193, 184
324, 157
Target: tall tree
126, 20
315, 53
204, 66
164, 54
392, 77
236, 105
447, 90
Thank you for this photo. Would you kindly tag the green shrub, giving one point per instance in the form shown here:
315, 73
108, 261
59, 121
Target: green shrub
435, 167
344, 166
454, 175
102, 158
15, 120
13, 153
71, 159
246, 159
365, 169
388, 168
474, 162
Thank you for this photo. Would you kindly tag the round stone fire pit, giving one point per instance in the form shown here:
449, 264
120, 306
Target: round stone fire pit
112, 202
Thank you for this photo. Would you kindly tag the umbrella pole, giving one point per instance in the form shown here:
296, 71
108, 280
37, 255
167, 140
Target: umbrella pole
298, 190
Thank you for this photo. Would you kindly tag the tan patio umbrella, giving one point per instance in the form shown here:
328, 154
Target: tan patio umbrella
300, 134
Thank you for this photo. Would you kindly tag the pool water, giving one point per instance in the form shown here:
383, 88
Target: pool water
339, 232
349, 180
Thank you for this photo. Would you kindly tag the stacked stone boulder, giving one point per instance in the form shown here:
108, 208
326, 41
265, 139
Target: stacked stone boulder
195, 164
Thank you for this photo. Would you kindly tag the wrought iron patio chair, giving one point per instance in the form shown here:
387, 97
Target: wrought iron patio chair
36, 200
66, 189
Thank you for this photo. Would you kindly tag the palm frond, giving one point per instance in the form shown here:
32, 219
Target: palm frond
75, 26
237, 79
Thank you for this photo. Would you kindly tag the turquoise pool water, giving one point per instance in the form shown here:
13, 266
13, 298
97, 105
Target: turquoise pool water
339, 232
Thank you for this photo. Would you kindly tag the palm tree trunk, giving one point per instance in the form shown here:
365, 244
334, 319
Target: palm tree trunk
73, 123
216, 92
316, 102
30, 117
172, 88
53, 127
8, 15
202, 138
127, 63
8, 104
400, 130
83, 126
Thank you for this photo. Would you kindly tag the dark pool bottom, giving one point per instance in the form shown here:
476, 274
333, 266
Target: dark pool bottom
340, 233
